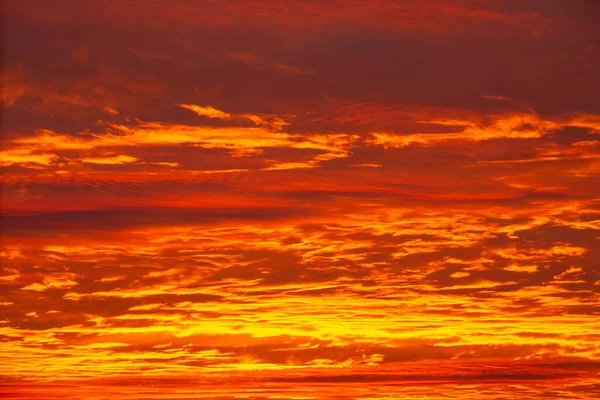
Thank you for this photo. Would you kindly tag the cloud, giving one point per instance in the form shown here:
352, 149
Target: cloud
511, 127
207, 111
495, 97
25, 156
290, 69
239, 141
281, 199
120, 159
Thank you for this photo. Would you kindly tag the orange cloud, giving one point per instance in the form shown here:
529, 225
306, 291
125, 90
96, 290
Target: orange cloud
120, 159
503, 127
207, 111
300, 200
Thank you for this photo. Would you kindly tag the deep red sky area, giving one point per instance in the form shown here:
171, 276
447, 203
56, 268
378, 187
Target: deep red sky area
338, 199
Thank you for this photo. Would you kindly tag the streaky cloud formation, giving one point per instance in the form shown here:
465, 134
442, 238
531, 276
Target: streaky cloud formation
300, 200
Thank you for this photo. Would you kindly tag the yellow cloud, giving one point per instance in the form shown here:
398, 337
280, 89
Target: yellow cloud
207, 111
120, 159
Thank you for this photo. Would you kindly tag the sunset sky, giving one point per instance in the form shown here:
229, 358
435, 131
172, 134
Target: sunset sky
340, 199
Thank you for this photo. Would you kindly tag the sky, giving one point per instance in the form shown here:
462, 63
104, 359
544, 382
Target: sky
319, 199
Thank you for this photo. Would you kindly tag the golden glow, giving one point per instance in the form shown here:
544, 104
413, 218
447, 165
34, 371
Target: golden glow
275, 200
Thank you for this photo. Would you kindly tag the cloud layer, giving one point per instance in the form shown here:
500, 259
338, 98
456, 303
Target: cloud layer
294, 197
